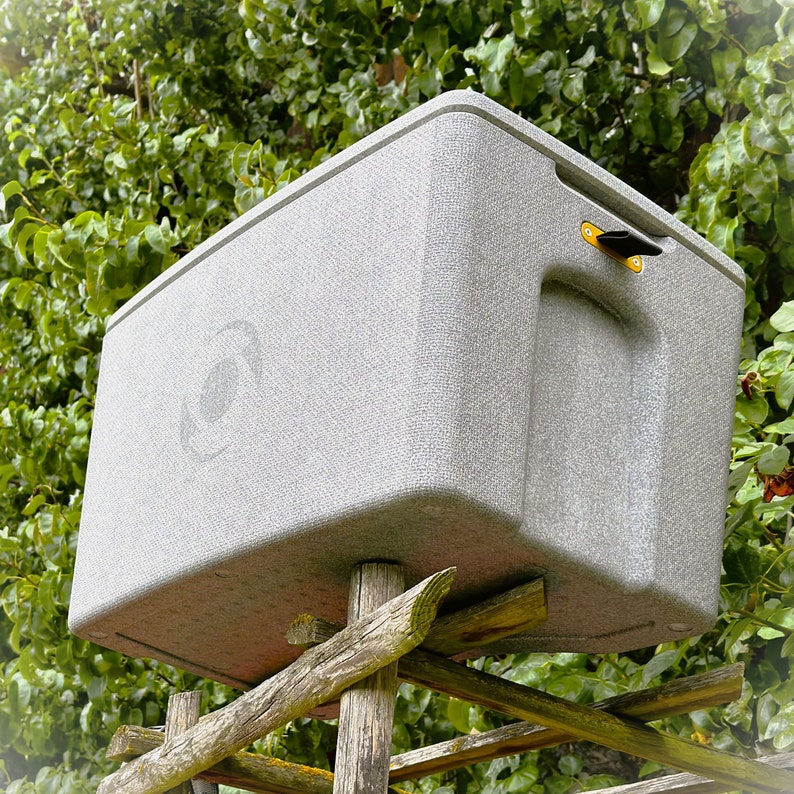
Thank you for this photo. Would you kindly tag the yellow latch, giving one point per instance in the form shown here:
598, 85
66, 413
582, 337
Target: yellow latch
634, 262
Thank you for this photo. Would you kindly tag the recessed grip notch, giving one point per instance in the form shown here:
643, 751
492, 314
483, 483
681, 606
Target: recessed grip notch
627, 244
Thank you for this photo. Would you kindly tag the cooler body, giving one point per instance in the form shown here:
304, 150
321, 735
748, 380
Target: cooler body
413, 354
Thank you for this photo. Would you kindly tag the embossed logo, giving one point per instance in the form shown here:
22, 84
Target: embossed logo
236, 370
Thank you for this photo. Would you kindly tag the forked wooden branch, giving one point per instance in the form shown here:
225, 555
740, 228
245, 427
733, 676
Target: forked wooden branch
317, 676
270, 776
435, 672
466, 630
504, 615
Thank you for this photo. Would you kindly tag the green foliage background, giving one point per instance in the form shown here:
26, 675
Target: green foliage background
131, 130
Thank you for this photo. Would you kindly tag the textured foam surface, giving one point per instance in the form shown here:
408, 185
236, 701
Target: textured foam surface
411, 354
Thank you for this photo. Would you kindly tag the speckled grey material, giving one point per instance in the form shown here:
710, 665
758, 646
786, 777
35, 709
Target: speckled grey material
412, 354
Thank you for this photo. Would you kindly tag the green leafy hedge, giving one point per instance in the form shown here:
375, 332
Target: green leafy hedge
134, 129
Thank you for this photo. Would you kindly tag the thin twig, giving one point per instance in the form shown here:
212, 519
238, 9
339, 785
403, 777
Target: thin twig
136, 86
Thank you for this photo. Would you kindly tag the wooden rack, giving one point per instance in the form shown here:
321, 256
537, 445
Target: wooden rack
395, 635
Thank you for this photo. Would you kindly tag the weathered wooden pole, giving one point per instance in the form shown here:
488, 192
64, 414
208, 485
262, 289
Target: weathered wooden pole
184, 710
317, 676
366, 711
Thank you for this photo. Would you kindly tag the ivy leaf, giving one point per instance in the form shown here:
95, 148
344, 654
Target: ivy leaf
650, 11
34, 504
587, 60
783, 319
516, 82
156, 239
657, 64
673, 48
721, 234
21, 246
573, 86
786, 426
781, 727
24, 295
774, 460
556, 784
726, 63
761, 180
784, 389
661, 662
734, 143
742, 563
461, 18
12, 188
784, 217
754, 411
459, 714
764, 136
671, 133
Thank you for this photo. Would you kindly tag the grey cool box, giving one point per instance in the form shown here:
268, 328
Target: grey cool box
414, 353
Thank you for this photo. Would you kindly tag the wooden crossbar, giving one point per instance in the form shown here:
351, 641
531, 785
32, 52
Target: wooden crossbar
271, 776
435, 672
685, 783
570, 720
242, 770
205, 749
681, 696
